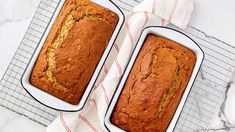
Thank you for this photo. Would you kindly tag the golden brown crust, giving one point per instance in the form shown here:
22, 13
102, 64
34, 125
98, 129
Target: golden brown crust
72, 49
154, 86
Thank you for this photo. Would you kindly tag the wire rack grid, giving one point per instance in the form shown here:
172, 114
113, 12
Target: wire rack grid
12, 95
199, 108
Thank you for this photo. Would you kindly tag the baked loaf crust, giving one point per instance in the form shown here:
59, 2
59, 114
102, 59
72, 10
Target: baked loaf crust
154, 86
73, 49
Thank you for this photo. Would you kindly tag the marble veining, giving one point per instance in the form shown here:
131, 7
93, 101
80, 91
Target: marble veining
12, 122
13, 20
18, 13
15, 16
227, 124
224, 120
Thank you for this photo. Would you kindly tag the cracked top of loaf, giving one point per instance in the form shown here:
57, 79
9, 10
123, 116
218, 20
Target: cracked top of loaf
154, 86
73, 49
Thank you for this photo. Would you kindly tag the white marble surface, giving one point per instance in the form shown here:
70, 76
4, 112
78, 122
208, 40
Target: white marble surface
15, 16
12, 122
215, 17
224, 119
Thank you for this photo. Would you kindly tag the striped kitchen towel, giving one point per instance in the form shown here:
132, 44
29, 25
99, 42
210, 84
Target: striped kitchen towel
149, 12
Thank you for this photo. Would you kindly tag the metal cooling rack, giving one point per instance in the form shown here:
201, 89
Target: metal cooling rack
211, 82
12, 95
201, 104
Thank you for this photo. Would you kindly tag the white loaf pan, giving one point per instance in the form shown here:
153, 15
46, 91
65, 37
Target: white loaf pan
52, 101
170, 34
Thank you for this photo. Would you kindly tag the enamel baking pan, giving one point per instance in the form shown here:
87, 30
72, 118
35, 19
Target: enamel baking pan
52, 101
170, 34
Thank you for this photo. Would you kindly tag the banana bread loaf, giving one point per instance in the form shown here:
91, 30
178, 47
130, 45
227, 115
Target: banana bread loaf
73, 49
154, 86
